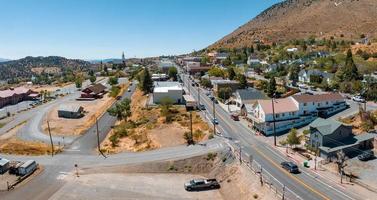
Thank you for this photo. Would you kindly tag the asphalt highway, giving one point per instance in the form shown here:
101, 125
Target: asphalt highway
306, 185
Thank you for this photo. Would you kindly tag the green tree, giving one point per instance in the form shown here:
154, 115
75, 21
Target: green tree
231, 73
146, 81
121, 110
78, 82
92, 79
243, 81
91, 73
292, 138
217, 72
224, 93
204, 60
227, 61
205, 82
293, 74
173, 73
113, 80
349, 71
271, 88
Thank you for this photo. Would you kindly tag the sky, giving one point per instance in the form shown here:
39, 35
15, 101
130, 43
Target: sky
99, 29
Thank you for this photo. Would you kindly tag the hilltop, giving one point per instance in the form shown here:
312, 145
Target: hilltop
26, 67
300, 19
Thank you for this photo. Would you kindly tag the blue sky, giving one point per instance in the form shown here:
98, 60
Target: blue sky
96, 29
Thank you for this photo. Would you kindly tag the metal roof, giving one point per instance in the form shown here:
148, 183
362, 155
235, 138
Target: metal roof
3, 161
326, 126
70, 108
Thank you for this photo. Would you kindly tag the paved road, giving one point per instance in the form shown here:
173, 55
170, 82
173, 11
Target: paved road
56, 168
306, 185
88, 142
32, 130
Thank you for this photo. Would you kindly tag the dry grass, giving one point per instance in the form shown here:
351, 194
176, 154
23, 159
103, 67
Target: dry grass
147, 129
10, 144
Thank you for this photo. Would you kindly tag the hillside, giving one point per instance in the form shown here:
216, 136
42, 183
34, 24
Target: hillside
26, 67
3, 60
293, 19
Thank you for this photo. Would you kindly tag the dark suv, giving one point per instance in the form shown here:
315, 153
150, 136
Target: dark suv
368, 155
291, 167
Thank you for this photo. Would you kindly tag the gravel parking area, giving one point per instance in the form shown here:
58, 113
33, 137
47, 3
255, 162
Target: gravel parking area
131, 186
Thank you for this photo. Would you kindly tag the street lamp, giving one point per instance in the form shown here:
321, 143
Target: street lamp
214, 116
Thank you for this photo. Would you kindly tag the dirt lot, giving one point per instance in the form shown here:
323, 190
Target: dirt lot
63, 126
164, 180
147, 128
11, 144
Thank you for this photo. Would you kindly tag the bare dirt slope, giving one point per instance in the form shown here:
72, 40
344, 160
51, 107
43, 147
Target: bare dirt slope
164, 180
293, 19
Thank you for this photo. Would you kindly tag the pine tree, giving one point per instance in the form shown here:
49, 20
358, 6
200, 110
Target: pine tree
271, 89
231, 73
146, 81
349, 71
243, 81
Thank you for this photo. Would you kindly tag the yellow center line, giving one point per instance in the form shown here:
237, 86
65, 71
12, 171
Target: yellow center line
233, 128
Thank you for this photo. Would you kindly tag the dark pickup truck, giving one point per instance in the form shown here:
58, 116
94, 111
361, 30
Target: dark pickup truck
201, 184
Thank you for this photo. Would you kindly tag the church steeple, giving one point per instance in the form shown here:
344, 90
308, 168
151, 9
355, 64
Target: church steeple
123, 58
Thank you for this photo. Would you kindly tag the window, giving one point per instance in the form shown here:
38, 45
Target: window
277, 115
313, 103
319, 104
327, 103
305, 104
282, 114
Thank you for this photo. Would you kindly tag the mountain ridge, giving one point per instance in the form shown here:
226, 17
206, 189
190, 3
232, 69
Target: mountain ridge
23, 68
301, 19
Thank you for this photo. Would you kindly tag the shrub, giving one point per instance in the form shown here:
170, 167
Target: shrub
114, 139
211, 156
367, 125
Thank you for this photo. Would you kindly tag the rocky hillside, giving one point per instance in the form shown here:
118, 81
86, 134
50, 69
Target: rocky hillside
293, 19
26, 67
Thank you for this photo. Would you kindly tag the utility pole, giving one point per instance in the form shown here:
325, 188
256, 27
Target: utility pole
198, 95
260, 176
273, 117
214, 117
283, 196
52, 144
191, 137
240, 154
98, 143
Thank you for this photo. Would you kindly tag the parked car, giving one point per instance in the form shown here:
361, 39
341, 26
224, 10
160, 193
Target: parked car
368, 155
201, 184
208, 94
201, 107
215, 121
211, 97
129, 90
235, 117
118, 97
358, 99
290, 166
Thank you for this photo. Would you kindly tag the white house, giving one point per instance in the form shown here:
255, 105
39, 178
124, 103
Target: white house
294, 111
304, 75
164, 90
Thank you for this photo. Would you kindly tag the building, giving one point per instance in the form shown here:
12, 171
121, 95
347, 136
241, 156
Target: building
94, 91
243, 97
4, 165
293, 112
324, 105
190, 102
167, 90
70, 111
160, 77
330, 136
193, 67
294, 49
305, 75
253, 61
14, 95
222, 83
